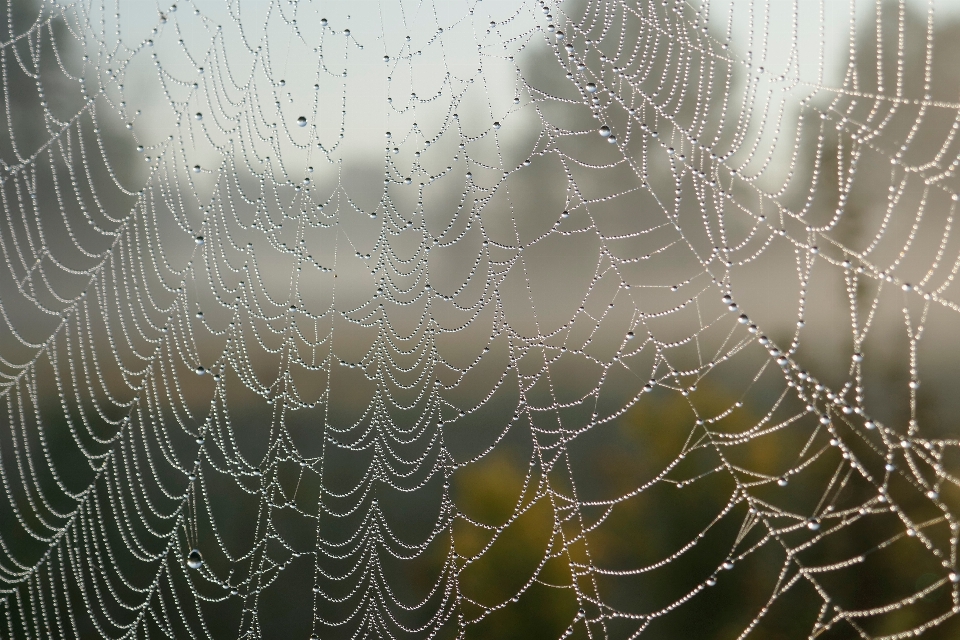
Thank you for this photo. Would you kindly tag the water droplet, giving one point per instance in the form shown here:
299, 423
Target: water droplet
302, 121
198, 116
194, 559
196, 168
346, 32
604, 131
496, 125
591, 88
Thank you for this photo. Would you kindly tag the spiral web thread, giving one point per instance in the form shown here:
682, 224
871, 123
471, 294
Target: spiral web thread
250, 351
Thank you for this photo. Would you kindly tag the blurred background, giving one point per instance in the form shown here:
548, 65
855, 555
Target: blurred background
388, 319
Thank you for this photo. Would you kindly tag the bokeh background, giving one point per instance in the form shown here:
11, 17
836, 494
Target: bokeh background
507, 404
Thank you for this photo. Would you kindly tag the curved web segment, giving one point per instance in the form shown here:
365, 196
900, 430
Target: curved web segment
487, 319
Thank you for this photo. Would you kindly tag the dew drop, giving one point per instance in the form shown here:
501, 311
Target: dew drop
591, 88
302, 121
198, 116
194, 559
196, 168
604, 131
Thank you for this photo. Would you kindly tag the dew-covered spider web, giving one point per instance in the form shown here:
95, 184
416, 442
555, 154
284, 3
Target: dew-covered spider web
479, 318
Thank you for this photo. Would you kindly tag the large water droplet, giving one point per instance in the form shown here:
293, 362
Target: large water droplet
302, 121
196, 168
194, 559
591, 88
198, 116
604, 131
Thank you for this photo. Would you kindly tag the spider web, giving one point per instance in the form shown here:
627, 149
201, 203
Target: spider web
492, 319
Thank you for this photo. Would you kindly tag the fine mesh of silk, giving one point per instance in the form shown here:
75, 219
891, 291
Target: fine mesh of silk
463, 318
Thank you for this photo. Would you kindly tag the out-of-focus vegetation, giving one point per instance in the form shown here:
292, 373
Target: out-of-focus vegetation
635, 544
